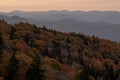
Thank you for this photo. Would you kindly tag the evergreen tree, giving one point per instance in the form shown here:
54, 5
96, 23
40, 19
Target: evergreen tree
27, 38
55, 50
69, 59
80, 58
55, 33
44, 28
35, 72
1, 41
13, 30
45, 52
36, 29
12, 69
68, 40
87, 73
95, 40
110, 72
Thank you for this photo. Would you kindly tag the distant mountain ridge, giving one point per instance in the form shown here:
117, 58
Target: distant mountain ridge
90, 16
105, 24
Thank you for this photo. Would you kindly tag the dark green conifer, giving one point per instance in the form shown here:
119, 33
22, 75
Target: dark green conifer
12, 33
12, 69
1, 41
35, 72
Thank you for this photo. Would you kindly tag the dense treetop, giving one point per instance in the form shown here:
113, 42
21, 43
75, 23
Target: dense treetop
60, 55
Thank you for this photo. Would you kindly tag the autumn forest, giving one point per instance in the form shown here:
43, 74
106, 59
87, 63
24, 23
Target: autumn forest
29, 52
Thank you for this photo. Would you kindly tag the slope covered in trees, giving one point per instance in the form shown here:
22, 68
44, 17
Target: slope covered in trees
28, 52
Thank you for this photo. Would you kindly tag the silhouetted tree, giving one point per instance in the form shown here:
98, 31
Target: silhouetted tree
95, 39
69, 59
68, 40
110, 72
45, 52
35, 72
87, 73
12, 69
44, 28
80, 58
13, 30
1, 41
27, 38
36, 29
55, 33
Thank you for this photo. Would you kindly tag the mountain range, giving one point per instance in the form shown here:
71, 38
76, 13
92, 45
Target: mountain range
104, 24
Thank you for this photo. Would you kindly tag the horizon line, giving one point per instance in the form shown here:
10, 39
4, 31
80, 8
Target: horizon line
59, 10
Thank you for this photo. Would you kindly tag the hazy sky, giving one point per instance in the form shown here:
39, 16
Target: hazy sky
43, 5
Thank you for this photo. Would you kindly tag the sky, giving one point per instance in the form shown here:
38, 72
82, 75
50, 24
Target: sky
72, 5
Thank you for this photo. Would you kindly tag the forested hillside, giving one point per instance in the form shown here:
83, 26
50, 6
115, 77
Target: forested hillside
28, 52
